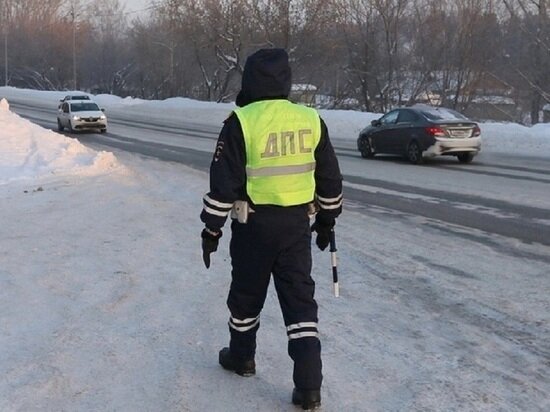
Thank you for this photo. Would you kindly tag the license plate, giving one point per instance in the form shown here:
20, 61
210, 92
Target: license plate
460, 133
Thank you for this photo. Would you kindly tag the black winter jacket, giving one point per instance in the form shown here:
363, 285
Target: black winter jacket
266, 76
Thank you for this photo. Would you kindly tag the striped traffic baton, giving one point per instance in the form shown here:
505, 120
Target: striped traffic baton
334, 263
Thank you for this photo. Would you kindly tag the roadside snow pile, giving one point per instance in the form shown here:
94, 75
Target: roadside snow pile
27, 151
542, 129
347, 124
108, 100
515, 138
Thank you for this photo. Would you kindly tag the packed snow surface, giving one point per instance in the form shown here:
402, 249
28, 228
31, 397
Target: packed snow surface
105, 304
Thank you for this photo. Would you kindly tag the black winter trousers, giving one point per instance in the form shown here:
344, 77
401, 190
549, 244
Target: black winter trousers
276, 240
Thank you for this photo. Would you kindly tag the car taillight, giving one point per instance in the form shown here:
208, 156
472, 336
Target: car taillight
476, 132
436, 131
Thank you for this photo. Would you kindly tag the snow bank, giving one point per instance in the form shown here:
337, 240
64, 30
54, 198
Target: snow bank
347, 124
27, 151
515, 138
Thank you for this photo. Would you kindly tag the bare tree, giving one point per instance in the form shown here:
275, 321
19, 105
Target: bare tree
391, 14
107, 53
220, 46
5, 21
31, 54
534, 24
372, 54
356, 22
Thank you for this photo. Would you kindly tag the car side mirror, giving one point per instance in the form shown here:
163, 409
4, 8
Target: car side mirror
103, 110
376, 123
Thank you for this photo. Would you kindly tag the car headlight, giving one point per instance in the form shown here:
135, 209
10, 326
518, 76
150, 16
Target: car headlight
75, 117
103, 117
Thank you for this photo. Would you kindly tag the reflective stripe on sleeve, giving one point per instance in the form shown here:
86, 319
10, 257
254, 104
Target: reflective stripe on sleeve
215, 207
330, 199
329, 203
330, 207
208, 200
216, 212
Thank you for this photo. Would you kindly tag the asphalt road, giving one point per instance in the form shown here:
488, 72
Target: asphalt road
448, 209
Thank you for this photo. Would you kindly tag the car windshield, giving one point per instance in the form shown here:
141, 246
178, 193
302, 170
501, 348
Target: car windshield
389, 118
442, 113
84, 107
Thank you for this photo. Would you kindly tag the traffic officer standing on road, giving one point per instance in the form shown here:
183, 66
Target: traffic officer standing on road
273, 159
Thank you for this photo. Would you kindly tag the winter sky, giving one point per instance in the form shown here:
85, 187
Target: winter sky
134, 5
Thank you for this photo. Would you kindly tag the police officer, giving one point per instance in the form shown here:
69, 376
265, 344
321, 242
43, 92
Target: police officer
273, 159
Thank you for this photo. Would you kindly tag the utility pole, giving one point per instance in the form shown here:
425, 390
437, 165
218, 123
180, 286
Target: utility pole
73, 15
5, 18
170, 48
6, 54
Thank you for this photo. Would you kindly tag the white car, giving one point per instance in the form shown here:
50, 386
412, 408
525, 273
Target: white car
81, 115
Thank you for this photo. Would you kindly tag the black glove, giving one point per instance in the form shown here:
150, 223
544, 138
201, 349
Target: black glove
323, 227
210, 241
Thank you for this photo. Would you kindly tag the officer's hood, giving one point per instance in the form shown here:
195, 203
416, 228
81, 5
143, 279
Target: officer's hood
266, 75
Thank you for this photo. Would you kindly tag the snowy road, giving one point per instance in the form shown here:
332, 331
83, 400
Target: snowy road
443, 190
444, 269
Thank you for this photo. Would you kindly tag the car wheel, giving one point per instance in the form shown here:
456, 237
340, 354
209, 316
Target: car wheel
60, 126
70, 127
103, 130
366, 150
466, 157
414, 153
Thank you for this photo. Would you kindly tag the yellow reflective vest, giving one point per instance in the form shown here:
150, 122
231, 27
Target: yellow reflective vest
280, 140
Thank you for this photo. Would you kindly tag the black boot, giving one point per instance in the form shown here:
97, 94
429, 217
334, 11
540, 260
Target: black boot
308, 399
240, 367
